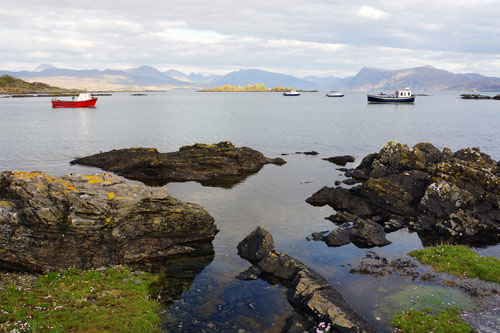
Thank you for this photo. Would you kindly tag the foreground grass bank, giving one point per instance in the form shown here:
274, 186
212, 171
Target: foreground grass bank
460, 261
113, 300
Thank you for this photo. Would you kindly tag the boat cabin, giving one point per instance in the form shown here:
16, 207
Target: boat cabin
84, 97
403, 93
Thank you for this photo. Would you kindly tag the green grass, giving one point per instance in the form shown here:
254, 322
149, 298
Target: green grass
424, 321
116, 300
460, 261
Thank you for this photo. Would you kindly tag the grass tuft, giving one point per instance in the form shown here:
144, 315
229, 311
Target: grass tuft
460, 261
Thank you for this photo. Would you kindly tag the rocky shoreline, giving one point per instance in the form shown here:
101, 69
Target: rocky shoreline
221, 164
454, 195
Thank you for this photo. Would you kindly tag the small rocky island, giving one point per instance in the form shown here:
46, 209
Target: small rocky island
220, 164
452, 194
50, 223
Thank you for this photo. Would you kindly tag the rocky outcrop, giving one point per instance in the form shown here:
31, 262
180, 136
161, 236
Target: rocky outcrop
220, 164
308, 292
478, 96
363, 233
85, 221
431, 191
340, 160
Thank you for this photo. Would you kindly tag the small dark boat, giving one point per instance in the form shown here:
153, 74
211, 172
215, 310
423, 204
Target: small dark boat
401, 96
83, 101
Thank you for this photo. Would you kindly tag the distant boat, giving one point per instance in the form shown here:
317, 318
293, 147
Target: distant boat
291, 93
334, 94
401, 96
82, 101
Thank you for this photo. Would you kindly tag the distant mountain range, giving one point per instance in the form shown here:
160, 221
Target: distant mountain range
426, 78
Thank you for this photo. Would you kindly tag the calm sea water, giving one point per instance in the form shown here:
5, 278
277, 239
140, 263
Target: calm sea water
34, 136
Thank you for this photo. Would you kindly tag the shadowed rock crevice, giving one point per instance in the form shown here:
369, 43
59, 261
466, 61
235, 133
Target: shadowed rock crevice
82, 221
455, 195
220, 164
308, 292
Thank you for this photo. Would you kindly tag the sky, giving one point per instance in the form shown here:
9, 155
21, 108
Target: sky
307, 37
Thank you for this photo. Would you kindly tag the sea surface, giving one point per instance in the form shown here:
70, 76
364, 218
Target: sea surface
33, 136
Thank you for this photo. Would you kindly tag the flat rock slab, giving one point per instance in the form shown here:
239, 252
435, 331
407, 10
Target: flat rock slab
220, 164
83, 221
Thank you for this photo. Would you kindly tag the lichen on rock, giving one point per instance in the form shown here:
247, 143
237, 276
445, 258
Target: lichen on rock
83, 221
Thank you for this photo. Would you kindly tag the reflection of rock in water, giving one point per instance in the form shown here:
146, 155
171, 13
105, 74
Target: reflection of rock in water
220, 164
178, 273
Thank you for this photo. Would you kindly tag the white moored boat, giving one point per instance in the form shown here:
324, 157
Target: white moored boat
334, 94
291, 93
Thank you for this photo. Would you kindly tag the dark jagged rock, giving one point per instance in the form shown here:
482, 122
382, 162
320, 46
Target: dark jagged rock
363, 233
454, 194
84, 221
375, 265
220, 164
478, 96
340, 160
309, 293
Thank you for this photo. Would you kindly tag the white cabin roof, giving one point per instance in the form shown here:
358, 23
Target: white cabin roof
84, 97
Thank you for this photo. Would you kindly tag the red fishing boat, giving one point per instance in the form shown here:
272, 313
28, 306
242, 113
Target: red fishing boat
82, 101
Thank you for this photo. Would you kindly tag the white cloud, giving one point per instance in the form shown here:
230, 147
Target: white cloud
372, 13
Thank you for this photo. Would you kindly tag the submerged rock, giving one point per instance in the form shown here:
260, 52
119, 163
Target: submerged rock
340, 160
309, 293
220, 164
83, 221
454, 194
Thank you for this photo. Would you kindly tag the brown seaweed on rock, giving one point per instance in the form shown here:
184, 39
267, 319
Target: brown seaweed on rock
455, 195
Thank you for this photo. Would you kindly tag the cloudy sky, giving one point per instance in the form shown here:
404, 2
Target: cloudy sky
307, 37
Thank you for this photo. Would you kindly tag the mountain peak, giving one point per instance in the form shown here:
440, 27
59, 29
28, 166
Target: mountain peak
44, 67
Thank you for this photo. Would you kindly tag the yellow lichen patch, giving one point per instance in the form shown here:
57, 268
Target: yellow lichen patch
5, 203
37, 174
27, 175
124, 198
94, 179
108, 219
111, 195
155, 221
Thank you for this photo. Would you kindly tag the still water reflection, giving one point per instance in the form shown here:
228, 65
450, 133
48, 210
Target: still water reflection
36, 137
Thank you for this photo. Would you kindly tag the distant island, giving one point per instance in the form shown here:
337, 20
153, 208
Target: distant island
11, 85
259, 87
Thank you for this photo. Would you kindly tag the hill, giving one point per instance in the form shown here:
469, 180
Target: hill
11, 85
424, 78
